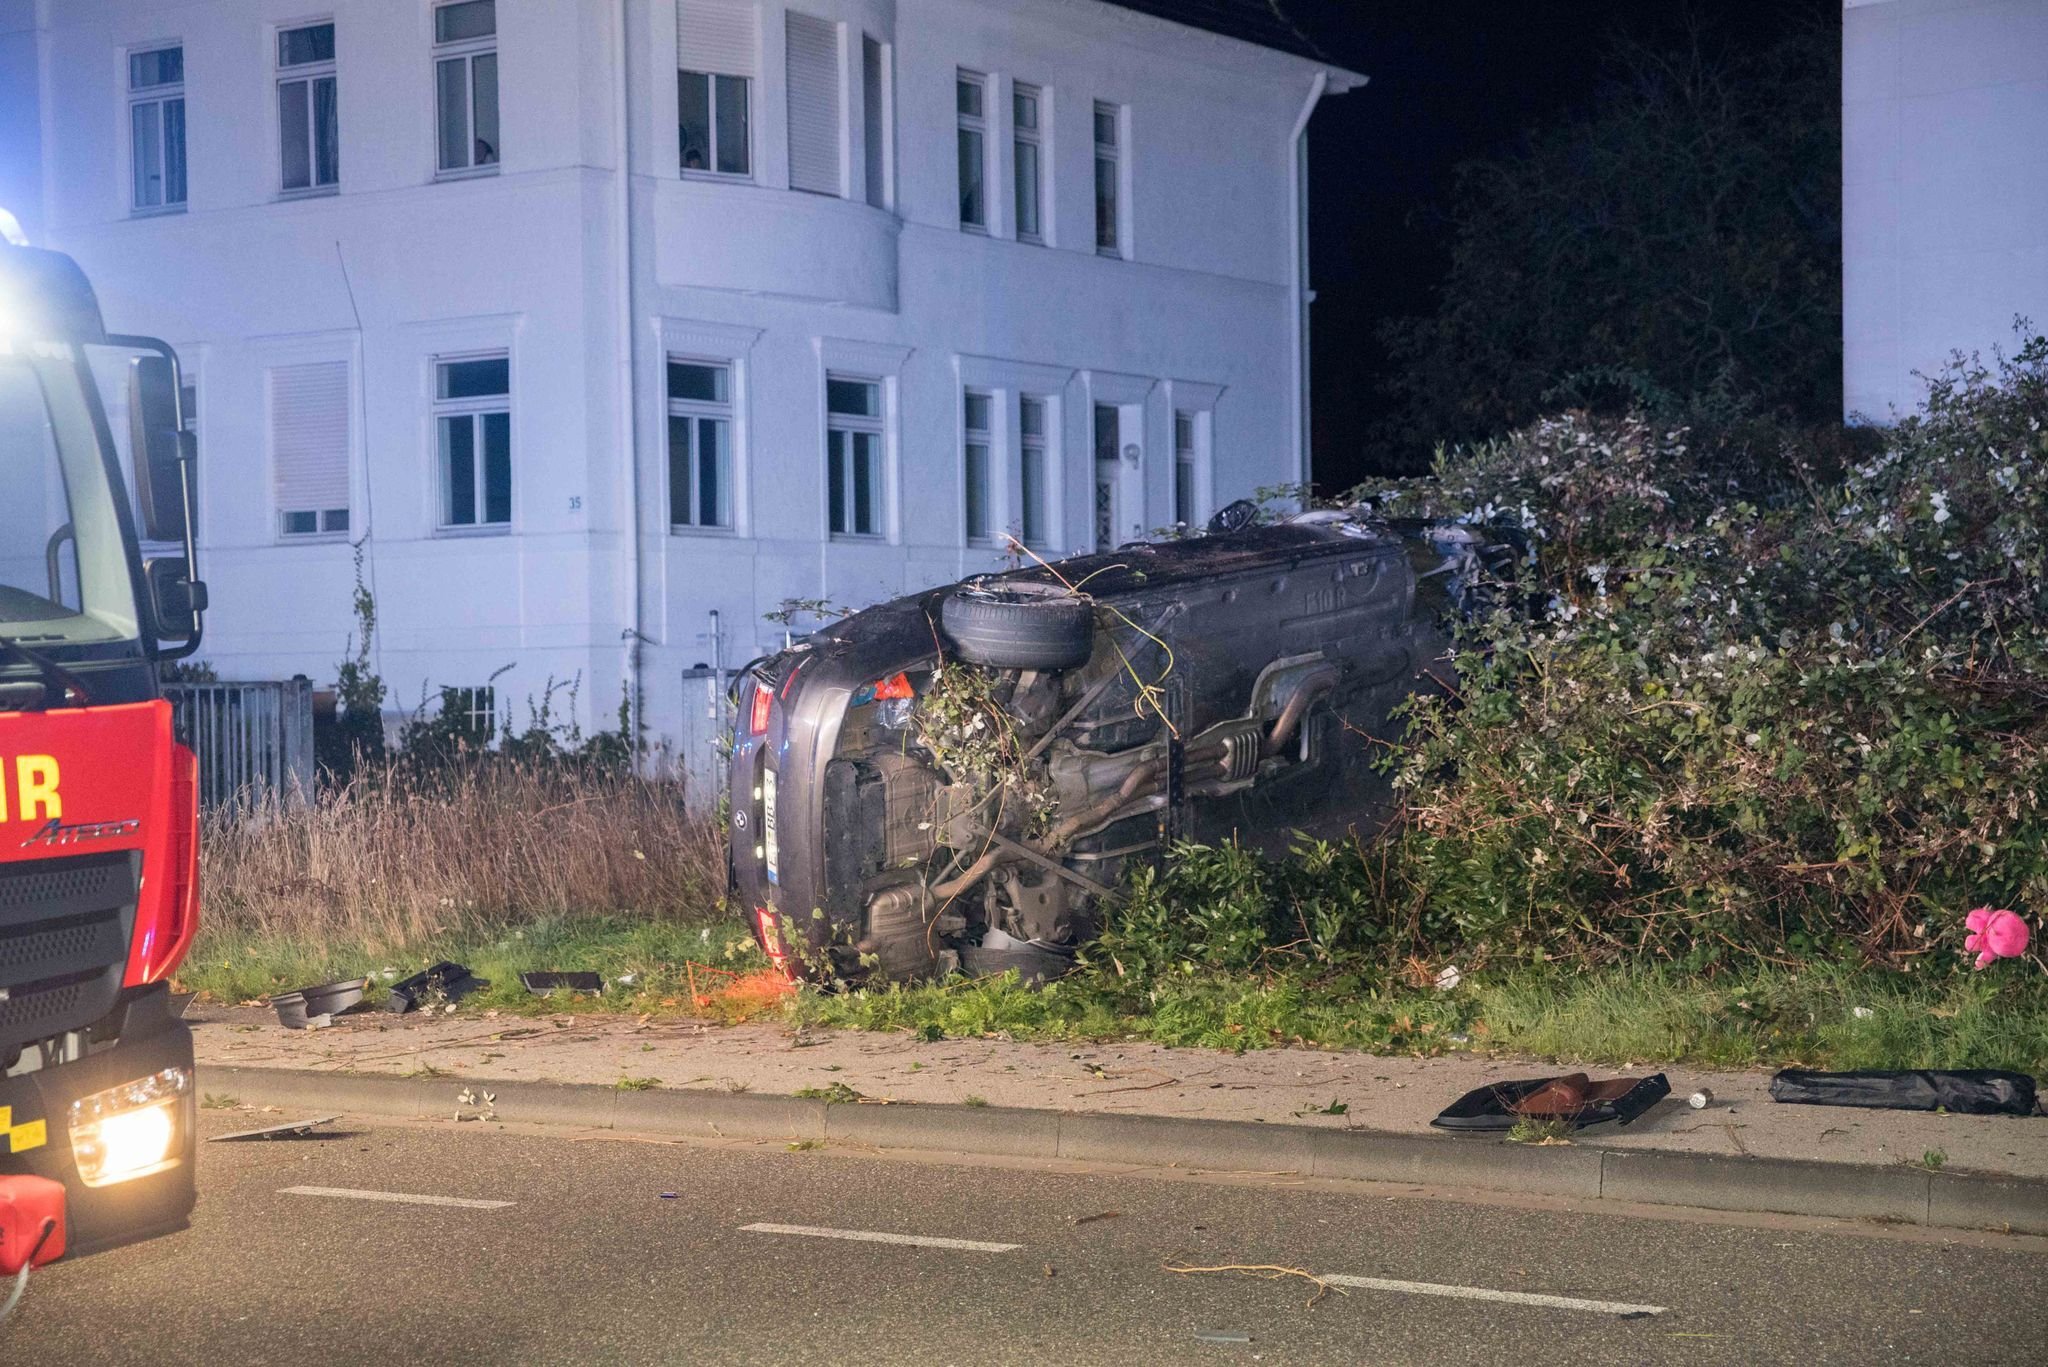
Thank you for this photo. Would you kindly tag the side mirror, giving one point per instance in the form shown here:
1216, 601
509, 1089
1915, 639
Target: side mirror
160, 447
177, 598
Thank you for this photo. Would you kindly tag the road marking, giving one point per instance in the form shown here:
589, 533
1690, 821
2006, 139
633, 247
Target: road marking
1481, 1293
401, 1197
871, 1236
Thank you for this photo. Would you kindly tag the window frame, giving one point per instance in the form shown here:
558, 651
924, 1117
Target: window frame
1111, 155
853, 426
323, 528
976, 126
699, 411
1187, 466
473, 409
983, 437
1033, 137
309, 74
465, 51
711, 172
160, 95
1042, 444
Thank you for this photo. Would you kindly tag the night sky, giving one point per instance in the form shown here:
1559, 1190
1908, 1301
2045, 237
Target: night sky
1451, 80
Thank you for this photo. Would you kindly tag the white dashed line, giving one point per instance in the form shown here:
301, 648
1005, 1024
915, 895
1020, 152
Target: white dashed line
870, 1236
402, 1198
1481, 1293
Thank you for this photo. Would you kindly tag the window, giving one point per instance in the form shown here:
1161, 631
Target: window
969, 99
1034, 524
1025, 123
1106, 443
473, 427
874, 89
156, 125
1184, 467
853, 455
1108, 147
309, 417
978, 407
466, 84
472, 711
812, 50
308, 120
699, 444
715, 48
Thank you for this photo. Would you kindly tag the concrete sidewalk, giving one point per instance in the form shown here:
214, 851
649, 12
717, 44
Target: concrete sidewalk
1262, 1109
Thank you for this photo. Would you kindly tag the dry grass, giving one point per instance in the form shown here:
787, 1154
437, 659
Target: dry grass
399, 859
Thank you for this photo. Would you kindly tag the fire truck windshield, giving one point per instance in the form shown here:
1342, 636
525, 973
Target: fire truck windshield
64, 567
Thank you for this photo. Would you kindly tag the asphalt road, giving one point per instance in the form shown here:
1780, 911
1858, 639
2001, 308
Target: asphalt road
590, 1262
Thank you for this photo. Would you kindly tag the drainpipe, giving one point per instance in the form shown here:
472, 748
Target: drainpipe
628, 428
1297, 172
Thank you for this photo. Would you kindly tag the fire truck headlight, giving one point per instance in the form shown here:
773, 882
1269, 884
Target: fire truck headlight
132, 1130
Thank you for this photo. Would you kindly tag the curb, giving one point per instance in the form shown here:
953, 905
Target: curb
1898, 1194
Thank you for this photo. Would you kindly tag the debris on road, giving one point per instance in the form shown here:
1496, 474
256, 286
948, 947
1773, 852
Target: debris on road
1700, 1100
1080, 1220
450, 982
312, 1008
290, 1129
1222, 1336
1960, 1091
1271, 1272
541, 984
1573, 1099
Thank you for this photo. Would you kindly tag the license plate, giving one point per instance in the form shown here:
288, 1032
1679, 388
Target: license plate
768, 850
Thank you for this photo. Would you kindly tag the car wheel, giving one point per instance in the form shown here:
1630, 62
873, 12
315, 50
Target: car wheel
1019, 626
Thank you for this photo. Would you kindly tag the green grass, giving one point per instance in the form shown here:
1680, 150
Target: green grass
234, 966
1606, 1016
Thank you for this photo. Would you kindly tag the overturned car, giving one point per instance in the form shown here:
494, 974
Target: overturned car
957, 779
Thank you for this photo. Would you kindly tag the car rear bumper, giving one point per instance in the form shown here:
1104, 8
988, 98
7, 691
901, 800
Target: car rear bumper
151, 1039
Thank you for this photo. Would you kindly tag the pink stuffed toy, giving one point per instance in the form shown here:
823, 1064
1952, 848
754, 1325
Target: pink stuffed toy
1995, 935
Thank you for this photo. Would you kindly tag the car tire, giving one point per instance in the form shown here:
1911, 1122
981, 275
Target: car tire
1019, 625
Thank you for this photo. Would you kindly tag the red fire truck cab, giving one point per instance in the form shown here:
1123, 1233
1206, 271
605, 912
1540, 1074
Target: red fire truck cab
98, 804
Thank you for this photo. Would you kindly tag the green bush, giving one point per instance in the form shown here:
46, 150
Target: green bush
1733, 731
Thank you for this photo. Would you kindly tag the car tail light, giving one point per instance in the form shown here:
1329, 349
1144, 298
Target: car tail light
168, 913
770, 927
757, 713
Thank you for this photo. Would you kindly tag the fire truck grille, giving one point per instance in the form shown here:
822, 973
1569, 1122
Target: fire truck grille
65, 924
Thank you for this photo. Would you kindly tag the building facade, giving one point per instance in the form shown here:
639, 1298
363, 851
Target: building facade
1944, 188
892, 287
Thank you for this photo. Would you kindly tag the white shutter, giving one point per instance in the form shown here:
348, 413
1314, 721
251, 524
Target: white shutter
309, 436
813, 104
715, 36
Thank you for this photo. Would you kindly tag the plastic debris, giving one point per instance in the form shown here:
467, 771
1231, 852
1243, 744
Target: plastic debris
1573, 1098
1862, 1013
1449, 979
1962, 1091
310, 1008
541, 984
290, 1129
451, 980
1223, 1336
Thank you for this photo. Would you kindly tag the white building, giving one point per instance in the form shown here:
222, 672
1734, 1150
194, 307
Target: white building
1944, 187
889, 281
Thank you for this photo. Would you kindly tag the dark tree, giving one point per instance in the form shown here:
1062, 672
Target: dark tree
1679, 246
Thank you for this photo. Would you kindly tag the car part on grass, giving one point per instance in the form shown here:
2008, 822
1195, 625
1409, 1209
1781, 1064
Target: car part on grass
542, 983
290, 1129
1034, 961
1573, 1099
310, 1008
1019, 625
450, 982
1964, 1091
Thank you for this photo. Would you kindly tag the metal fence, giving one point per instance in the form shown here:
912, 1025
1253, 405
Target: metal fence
254, 740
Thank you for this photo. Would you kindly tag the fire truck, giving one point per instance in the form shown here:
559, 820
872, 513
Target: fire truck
99, 893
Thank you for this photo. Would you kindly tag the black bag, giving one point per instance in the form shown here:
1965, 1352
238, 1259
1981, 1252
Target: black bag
1965, 1091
